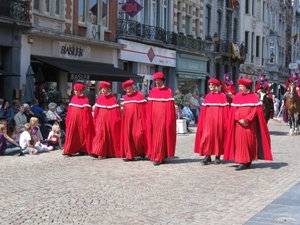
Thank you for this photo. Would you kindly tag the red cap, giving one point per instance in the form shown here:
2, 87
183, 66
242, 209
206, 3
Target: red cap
158, 75
104, 84
127, 83
214, 81
245, 81
78, 87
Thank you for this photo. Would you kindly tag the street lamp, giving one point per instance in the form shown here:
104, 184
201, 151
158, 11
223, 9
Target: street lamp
216, 37
272, 57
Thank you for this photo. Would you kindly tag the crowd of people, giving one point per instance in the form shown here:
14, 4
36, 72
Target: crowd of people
34, 129
230, 123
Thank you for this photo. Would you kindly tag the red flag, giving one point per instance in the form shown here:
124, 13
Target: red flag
234, 3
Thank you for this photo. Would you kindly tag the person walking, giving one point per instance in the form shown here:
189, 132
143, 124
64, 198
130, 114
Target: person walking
133, 129
212, 127
247, 141
79, 124
107, 122
195, 106
161, 121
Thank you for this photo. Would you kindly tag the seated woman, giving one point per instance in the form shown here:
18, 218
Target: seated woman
53, 117
7, 111
4, 139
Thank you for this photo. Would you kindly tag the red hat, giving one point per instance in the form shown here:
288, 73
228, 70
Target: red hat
158, 75
245, 81
104, 84
127, 83
78, 87
214, 81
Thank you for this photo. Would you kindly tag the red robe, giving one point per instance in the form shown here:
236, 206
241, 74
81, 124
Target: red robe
133, 129
212, 125
107, 122
248, 143
226, 88
79, 126
161, 124
267, 86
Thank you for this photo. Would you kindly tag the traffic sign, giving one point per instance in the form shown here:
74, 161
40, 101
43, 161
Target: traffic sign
293, 66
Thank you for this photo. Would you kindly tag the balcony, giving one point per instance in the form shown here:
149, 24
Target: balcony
130, 29
16, 10
223, 46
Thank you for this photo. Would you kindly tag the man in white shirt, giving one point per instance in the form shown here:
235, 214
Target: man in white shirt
20, 118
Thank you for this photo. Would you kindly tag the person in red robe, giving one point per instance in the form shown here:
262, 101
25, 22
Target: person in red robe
133, 129
247, 142
107, 120
228, 87
161, 121
212, 126
79, 124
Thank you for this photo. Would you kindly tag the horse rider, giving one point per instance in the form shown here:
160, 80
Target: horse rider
228, 87
294, 78
262, 84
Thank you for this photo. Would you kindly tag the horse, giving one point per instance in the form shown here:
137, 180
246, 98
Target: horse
266, 105
293, 108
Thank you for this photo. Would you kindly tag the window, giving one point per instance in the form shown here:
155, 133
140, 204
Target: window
219, 22
207, 19
36, 4
81, 9
235, 29
57, 7
257, 45
246, 40
164, 15
246, 6
179, 19
105, 12
188, 19
197, 23
47, 6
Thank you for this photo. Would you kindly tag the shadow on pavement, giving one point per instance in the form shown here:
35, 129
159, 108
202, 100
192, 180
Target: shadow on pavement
279, 133
179, 161
261, 165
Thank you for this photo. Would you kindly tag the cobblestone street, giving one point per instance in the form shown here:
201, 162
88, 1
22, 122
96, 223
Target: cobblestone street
53, 189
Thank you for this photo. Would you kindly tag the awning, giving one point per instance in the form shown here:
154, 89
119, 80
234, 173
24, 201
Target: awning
85, 70
5, 73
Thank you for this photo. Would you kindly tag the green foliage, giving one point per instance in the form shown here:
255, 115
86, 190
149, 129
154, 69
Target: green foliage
179, 100
56, 96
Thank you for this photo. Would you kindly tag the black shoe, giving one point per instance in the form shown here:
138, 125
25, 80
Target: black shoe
206, 160
21, 153
66, 154
156, 163
217, 160
127, 160
82, 153
94, 156
241, 167
248, 164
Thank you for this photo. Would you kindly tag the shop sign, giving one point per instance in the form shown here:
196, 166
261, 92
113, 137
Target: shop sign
132, 8
70, 50
74, 76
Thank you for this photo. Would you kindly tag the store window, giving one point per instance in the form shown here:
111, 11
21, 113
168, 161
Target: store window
185, 84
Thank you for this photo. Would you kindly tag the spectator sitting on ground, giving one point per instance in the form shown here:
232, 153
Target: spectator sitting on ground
35, 128
16, 134
20, 118
54, 137
26, 142
39, 146
4, 140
